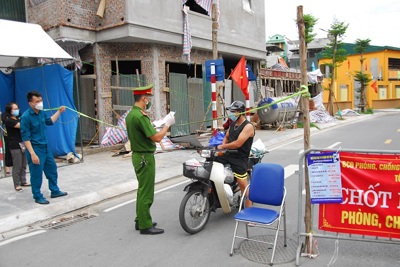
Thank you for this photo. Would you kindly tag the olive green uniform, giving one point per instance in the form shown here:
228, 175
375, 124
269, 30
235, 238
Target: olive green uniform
139, 130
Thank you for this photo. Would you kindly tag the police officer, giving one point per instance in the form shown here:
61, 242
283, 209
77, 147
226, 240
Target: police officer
238, 137
142, 136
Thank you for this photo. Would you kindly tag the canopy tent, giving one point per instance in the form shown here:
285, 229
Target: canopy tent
19, 39
25, 40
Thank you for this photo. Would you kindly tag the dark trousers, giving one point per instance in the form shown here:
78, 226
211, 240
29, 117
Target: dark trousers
7, 156
48, 166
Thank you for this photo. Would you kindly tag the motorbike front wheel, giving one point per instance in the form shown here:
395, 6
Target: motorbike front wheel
191, 216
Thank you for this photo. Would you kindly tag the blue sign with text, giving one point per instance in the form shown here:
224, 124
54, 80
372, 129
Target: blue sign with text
219, 69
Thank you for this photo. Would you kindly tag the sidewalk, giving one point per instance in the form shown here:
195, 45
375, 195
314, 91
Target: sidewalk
102, 176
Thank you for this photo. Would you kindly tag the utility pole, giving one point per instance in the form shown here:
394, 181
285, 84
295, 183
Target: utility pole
305, 104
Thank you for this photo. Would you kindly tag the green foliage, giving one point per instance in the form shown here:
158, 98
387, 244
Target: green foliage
336, 52
309, 23
363, 78
368, 111
334, 49
361, 45
301, 125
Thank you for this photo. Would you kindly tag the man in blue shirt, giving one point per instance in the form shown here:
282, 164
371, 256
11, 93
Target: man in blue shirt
40, 158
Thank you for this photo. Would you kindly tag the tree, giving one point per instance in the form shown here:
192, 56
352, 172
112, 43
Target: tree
363, 79
309, 23
335, 52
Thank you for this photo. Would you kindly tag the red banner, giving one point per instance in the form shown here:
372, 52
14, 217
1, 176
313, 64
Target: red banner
371, 197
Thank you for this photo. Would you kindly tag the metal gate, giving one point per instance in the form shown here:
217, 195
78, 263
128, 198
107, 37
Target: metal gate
178, 97
122, 99
87, 97
188, 101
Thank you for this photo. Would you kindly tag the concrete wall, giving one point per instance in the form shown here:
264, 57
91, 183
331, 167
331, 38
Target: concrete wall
239, 33
79, 14
153, 59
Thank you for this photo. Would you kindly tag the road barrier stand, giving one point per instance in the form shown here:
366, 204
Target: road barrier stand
354, 195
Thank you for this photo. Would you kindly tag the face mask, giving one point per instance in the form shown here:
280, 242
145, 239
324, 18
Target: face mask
15, 112
233, 117
148, 105
39, 106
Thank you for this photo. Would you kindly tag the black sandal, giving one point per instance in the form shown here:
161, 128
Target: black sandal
25, 184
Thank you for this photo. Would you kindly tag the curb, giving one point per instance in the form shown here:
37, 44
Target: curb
64, 206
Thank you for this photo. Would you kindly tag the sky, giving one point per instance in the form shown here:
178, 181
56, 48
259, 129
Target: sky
378, 20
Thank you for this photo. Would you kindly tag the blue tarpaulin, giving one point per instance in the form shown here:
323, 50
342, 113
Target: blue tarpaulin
55, 83
6, 89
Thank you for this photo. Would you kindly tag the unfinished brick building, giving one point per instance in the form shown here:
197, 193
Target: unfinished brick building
125, 43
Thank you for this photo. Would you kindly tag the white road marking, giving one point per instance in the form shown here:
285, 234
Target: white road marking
285, 144
2, 243
301, 151
291, 169
133, 200
335, 144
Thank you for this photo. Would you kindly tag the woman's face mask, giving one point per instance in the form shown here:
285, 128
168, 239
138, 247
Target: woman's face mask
15, 112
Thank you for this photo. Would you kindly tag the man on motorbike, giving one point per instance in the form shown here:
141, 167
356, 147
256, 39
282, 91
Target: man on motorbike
238, 137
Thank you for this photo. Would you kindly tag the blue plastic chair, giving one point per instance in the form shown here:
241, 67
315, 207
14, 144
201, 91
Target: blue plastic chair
267, 192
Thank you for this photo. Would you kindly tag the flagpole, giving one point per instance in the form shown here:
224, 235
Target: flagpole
247, 97
214, 16
214, 99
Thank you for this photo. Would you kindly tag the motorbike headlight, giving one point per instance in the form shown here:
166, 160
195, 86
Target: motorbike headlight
205, 153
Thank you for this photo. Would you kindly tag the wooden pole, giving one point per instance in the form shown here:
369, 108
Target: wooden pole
214, 34
214, 30
306, 121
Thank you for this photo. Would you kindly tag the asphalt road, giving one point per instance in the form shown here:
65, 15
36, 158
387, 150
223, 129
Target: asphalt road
108, 237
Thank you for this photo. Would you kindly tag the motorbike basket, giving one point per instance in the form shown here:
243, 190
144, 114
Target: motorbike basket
197, 172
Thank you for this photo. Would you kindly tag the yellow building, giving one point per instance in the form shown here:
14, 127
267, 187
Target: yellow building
382, 63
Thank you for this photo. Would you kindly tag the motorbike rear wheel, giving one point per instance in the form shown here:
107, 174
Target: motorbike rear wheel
191, 216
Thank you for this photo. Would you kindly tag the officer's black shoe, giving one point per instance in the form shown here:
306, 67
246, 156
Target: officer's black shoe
152, 231
137, 225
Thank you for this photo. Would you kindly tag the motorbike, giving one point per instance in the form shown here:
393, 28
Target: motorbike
213, 186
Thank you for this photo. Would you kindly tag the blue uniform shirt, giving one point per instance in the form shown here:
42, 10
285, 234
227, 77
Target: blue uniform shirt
33, 127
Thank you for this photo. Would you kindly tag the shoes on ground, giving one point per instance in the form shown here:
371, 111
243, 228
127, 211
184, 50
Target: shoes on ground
152, 231
58, 194
137, 225
42, 201
26, 184
18, 188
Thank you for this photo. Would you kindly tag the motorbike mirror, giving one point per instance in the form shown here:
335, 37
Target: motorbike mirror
205, 153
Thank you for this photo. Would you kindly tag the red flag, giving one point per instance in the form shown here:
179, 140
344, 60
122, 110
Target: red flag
240, 77
348, 64
373, 85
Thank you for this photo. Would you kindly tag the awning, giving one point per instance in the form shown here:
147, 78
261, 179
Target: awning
19, 39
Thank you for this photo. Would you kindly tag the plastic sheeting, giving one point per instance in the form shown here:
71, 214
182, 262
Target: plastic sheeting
55, 83
6, 89
20, 39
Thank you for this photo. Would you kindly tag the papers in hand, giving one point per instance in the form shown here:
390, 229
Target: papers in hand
161, 122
